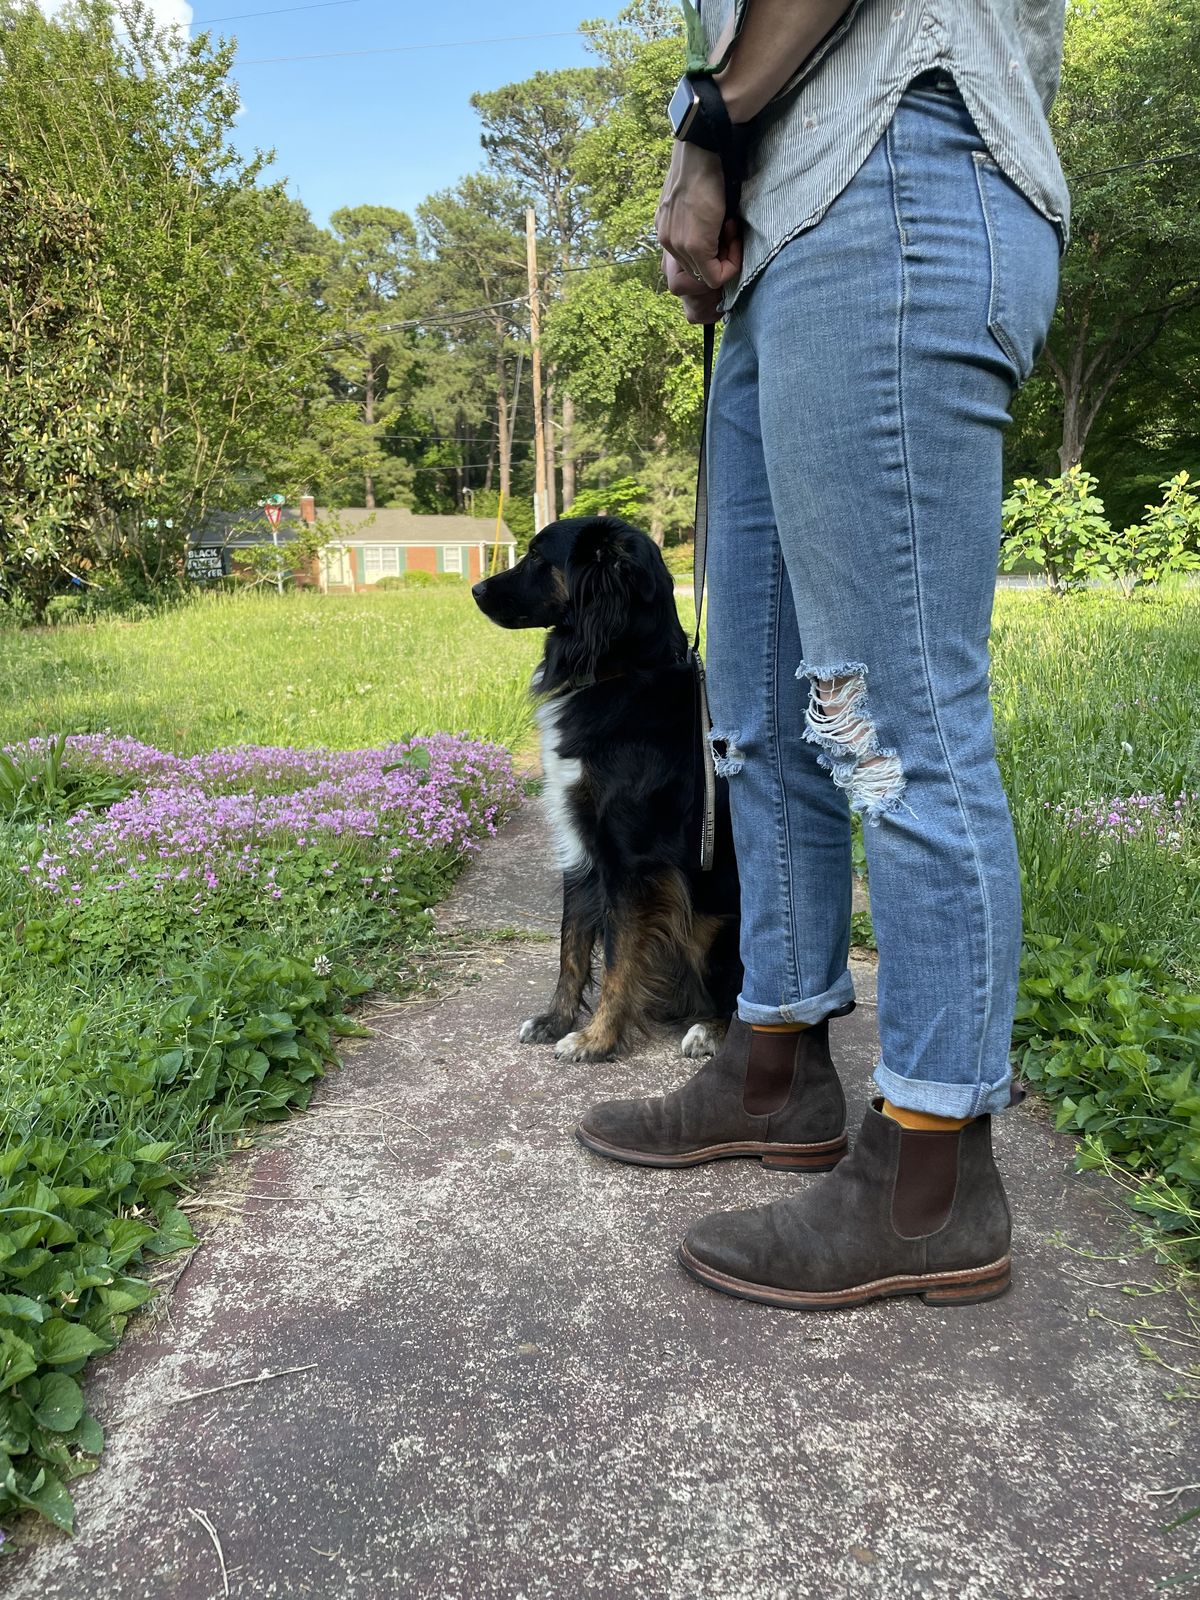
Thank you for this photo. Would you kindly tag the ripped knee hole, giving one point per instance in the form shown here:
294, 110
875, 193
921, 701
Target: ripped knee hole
728, 757
839, 721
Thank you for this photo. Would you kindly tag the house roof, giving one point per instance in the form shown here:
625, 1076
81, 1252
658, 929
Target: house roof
399, 525
350, 525
241, 528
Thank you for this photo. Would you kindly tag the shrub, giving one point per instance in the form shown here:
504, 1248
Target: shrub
1060, 525
416, 579
1165, 544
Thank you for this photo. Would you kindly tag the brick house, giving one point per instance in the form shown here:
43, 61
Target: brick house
366, 545
391, 541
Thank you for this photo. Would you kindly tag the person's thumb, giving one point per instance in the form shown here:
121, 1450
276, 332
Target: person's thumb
719, 271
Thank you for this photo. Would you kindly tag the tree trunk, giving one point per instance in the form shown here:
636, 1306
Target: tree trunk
551, 475
1070, 451
568, 452
458, 470
369, 419
656, 528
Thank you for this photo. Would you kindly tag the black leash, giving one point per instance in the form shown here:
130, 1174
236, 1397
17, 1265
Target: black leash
708, 770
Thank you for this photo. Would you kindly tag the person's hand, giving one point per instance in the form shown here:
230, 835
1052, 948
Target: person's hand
692, 226
700, 304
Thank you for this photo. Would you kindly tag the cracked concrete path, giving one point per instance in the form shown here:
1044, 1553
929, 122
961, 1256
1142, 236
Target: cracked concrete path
516, 1394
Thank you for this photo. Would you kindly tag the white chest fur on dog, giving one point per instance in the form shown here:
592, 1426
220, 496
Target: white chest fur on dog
561, 777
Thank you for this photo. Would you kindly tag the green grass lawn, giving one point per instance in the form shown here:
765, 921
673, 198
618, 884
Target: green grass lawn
338, 670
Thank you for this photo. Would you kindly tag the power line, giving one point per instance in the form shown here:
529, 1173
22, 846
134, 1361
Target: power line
450, 317
1132, 166
239, 16
441, 438
279, 11
433, 44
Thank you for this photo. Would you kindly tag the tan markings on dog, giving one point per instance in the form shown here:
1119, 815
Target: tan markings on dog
658, 951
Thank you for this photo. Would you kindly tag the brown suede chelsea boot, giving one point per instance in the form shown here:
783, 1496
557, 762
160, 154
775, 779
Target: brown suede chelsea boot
906, 1213
771, 1095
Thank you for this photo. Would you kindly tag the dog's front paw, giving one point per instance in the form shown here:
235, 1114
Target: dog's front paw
578, 1047
546, 1029
703, 1039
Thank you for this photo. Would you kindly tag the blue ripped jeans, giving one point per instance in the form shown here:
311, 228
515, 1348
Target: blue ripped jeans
855, 429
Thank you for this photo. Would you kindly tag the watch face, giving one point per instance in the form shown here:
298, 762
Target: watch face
684, 103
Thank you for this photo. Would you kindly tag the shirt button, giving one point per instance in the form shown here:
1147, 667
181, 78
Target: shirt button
897, 13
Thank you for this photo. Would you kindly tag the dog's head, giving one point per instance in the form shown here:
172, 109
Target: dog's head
603, 589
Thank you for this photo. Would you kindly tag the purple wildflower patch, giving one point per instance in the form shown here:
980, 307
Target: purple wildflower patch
1150, 817
233, 816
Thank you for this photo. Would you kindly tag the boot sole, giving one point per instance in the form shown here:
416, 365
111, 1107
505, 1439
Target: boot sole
791, 1157
968, 1287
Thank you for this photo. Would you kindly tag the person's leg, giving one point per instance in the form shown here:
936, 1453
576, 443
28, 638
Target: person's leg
884, 400
889, 340
791, 825
774, 1095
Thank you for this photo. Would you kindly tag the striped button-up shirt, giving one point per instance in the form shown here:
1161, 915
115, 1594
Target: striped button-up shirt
1004, 55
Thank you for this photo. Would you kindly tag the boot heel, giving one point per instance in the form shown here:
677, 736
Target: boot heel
807, 1160
970, 1293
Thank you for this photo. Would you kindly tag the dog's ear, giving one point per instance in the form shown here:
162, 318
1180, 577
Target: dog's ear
609, 577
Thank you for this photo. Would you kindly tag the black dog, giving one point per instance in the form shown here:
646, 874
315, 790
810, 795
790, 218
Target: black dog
621, 753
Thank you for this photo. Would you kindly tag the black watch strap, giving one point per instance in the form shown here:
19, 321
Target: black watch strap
712, 129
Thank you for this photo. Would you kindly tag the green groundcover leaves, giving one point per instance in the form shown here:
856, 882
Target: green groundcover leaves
239, 1035
1109, 1035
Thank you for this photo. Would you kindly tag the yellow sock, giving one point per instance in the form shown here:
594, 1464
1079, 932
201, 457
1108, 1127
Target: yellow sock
924, 1121
778, 1027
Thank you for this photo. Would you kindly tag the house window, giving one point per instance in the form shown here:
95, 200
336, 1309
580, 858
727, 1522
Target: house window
380, 561
453, 558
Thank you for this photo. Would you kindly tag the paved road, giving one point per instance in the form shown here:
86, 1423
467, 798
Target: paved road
516, 1395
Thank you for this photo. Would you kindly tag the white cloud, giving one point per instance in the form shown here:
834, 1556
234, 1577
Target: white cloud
167, 13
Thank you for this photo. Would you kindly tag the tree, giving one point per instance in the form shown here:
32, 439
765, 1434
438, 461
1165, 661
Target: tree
531, 131
371, 252
206, 333
1127, 122
473, 238
62, 411
631, 360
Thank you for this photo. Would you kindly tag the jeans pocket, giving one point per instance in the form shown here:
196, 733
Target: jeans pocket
1024, 267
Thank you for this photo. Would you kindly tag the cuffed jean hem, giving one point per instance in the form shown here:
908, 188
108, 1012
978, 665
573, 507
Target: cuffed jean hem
809, 1011
944, 1099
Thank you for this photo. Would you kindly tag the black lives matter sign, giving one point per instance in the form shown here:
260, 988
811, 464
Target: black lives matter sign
205, 563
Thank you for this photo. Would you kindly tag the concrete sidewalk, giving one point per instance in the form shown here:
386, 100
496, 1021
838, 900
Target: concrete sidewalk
516, 1393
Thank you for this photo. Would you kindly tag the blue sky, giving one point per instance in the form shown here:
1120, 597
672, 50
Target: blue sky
381, 128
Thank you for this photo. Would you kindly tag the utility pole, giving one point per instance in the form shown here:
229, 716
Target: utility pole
541, 497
